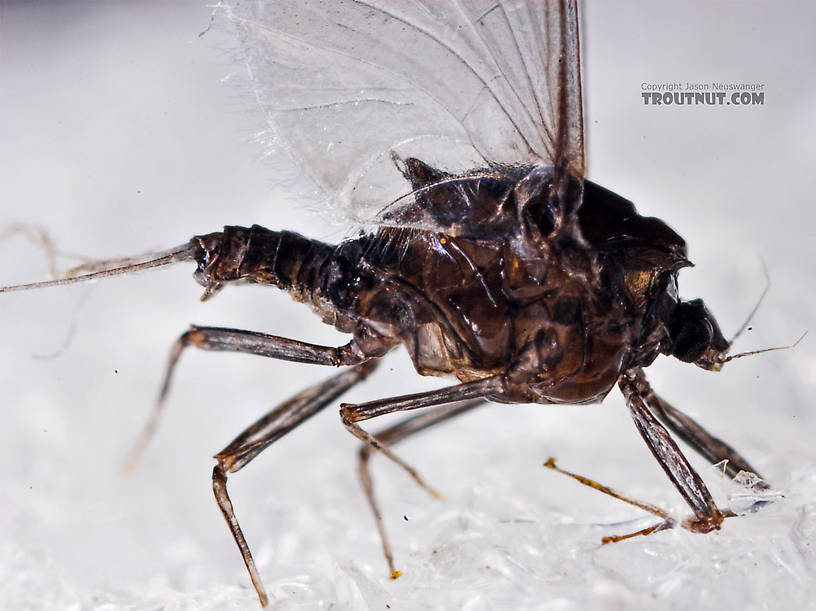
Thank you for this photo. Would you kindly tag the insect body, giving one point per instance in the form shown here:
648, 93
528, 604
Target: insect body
546, 305
559, 315
498, 265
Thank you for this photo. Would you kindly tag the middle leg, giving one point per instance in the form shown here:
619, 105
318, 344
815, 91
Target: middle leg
351, 414
395, 434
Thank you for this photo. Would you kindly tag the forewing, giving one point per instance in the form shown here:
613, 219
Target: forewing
349, 87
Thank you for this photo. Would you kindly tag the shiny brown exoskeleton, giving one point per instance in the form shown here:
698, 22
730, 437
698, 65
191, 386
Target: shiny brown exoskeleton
559, 315
522, 300
521, 279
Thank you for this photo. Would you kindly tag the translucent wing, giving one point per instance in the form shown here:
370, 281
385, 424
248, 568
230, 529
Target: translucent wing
351, 87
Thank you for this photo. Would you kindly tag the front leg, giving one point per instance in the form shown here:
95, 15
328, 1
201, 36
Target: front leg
707, 516
704, 443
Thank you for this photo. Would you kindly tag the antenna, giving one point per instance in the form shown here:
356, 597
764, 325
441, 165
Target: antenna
756, 307
725, 359
749, 353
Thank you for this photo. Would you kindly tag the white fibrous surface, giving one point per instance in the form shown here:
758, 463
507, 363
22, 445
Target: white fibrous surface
118, 135
486, 546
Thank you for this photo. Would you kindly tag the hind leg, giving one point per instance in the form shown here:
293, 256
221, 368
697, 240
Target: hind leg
237, 340
263, 433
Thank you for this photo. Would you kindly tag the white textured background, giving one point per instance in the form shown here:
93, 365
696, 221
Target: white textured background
117, 136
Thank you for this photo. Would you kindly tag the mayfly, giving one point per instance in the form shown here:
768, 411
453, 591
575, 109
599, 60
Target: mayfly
493, 260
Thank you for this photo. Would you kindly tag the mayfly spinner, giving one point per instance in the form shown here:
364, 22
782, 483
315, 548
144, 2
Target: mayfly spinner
494, 261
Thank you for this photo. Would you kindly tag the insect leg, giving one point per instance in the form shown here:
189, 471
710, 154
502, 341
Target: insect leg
236, 340
667, 521
352, 414
264, 432
392, 435
711, 448
707, 516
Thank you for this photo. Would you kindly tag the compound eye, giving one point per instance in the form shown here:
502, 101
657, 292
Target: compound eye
692, 333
